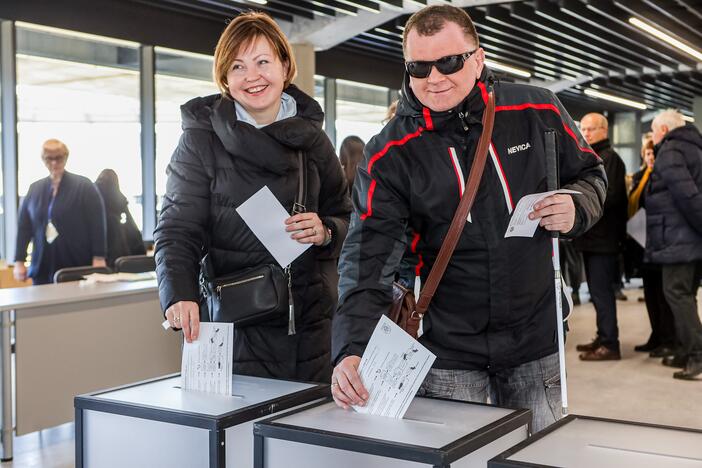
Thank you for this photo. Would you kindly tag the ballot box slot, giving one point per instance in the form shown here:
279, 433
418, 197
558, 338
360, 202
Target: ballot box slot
233, 395
425, 421
643, 452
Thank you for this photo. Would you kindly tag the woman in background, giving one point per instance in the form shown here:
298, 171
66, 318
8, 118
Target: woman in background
63, 216
662, 341
123, 235
350, 155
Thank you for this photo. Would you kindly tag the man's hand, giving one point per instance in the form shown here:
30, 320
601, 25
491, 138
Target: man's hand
99, 262
20, 271
557, 213
347, 388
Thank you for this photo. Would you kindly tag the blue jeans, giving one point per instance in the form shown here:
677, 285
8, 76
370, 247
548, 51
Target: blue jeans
534, 385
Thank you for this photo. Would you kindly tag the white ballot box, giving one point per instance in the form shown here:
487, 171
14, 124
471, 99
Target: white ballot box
434, 432
156, 424
581, 441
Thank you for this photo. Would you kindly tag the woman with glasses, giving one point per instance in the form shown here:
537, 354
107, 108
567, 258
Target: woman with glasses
253, 135
63, 216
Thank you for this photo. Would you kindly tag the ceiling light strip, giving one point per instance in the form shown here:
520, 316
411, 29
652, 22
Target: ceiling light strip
610, 97
666, 38
507, 68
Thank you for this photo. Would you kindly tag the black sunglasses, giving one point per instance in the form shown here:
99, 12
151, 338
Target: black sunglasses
446, 65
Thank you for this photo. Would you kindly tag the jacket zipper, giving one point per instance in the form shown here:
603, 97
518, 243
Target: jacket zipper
461, 116
236, 283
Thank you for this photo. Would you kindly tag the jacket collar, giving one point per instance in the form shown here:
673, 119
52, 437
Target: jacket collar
265, 147
470, 110
601, 145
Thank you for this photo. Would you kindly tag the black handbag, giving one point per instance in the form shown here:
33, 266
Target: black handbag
257, 294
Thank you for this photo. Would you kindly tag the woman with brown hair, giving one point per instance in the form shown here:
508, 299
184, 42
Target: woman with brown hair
350, 154
662, 341
123, 235
233, 144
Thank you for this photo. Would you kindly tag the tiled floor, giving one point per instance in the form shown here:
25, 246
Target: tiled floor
636, 388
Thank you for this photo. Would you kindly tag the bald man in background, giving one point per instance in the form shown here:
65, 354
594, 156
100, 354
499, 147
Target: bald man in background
602, 243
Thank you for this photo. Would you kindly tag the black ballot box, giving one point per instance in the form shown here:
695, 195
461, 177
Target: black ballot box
589, 442
434, 432
156, 424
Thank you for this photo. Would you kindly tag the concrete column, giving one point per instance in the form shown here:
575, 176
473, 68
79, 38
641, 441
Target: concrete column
8, 107
625, 136
697, 111
304, 56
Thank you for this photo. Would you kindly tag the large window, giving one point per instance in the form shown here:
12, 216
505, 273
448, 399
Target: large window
360, 110
84, 91
180, 76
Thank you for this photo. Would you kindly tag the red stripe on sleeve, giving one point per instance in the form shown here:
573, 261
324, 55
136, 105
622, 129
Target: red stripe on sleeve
415, 241
413, 248
369, 211
390, 144
376, 157
418, 268
551, 107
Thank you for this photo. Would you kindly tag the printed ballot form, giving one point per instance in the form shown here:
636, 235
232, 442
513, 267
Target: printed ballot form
392, 369
207, 362
519, 224
266, 217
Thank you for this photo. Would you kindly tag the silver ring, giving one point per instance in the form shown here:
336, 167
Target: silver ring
333, 384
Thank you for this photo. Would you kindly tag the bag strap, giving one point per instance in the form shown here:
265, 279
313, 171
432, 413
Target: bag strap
300, 200
459, 218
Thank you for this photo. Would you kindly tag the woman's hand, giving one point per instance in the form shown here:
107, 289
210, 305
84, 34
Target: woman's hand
185, 315
346, 386
307, 228
20, 271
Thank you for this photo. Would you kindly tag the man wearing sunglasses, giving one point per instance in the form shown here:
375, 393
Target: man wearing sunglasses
492, 321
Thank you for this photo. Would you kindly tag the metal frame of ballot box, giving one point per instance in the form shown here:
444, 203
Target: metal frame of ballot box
437, 457
215, 424
502, 460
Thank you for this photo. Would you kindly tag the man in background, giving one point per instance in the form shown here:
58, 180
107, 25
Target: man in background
674, 231
601, 245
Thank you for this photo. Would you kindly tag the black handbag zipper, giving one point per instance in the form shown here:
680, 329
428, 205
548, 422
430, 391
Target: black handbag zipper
236, 283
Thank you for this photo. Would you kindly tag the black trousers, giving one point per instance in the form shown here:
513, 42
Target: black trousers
659, 313
680, 284
571, 265
601, 271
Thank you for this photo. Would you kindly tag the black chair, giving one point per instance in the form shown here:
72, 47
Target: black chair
135, 264
78, 273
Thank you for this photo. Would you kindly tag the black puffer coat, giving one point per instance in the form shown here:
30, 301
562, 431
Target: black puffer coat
123, 235
219, 164
608, 234
674, 199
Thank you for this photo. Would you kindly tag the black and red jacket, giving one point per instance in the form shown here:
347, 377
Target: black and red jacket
495, 305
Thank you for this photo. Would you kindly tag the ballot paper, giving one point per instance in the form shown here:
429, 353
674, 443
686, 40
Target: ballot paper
118, 277
392, 369
266, 217
636, 227
207, 362
520, 225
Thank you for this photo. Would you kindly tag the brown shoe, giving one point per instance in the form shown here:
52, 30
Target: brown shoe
602, 353
593, 345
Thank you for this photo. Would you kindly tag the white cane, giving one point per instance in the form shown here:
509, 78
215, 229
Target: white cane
552, 183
